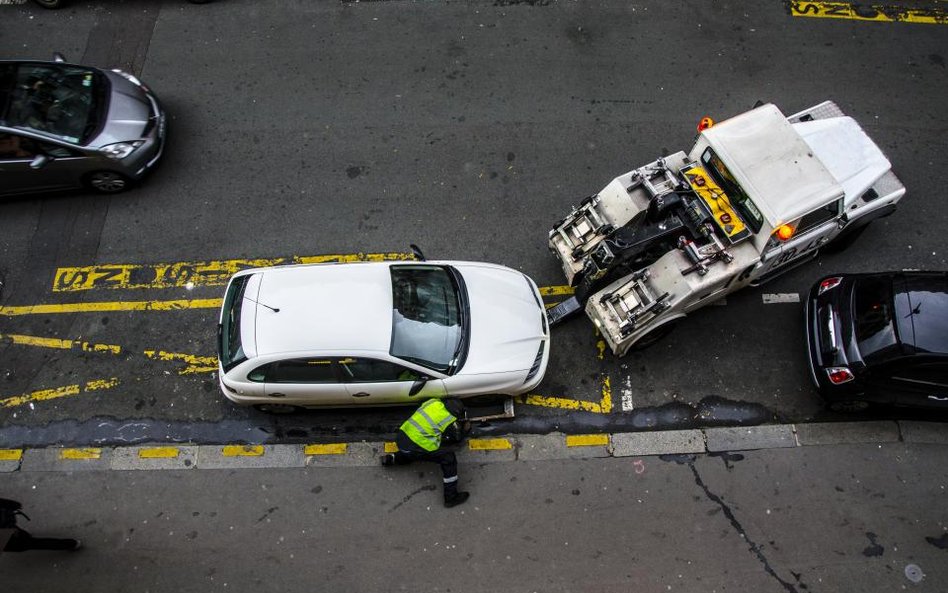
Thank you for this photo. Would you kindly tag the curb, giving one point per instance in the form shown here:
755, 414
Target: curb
512, 448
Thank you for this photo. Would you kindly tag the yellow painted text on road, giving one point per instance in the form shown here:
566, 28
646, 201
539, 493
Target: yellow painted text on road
57, 392
603, 406
194, 363
188, 274
869, 12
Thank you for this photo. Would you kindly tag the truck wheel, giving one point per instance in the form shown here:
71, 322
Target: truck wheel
844, 240
654, 336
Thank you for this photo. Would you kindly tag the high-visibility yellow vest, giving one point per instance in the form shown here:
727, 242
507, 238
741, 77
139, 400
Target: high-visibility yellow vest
427, 424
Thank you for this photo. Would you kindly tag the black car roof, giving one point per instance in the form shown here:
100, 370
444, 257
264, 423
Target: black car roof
921, 303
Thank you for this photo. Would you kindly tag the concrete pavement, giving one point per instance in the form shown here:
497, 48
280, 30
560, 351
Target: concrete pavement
868, 516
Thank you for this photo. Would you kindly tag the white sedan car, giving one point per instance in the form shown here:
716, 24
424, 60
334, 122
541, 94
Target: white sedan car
379, 334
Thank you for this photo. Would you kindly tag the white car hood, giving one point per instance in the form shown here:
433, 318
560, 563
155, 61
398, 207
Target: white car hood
851, 157
506, 321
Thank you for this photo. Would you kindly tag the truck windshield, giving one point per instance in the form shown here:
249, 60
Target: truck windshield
229, 349
57, 100
732, 188
428, 316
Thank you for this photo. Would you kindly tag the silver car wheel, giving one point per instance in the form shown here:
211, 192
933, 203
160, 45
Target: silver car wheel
108, 182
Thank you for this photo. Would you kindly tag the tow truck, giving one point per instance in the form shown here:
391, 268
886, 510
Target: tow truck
756, 195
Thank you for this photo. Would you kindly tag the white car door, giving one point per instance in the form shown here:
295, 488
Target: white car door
305, 382
373, 381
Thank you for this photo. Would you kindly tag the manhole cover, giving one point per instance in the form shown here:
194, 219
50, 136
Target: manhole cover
914, 573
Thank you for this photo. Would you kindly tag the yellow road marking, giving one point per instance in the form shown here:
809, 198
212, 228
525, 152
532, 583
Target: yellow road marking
873, 12
328, 449
101, 307
587, 440
391, 447
603, 406
84, 453
65, 391
188, 274
242, 450
158, 453
195, 364
556, 290
489, 444
60, 344
11, 454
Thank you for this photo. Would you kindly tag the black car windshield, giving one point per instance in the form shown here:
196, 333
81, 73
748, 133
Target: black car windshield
428, 311
229, 348
921, 308
52, 99
875, 332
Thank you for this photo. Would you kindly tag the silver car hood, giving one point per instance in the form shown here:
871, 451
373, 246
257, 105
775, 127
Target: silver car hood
129, 110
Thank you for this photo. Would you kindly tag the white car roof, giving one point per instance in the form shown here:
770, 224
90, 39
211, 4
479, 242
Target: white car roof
322, 307
777, 168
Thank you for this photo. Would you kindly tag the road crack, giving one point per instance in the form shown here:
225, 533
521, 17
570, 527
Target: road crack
751, 544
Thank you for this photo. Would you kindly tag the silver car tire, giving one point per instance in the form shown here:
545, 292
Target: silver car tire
107, 182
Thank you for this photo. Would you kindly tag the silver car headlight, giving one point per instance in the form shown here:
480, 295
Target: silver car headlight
120, 150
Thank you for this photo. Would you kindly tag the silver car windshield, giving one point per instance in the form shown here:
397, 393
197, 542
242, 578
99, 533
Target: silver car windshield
428, 308
57, 100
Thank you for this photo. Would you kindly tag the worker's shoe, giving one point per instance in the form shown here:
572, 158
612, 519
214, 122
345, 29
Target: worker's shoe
388, 459
456, 499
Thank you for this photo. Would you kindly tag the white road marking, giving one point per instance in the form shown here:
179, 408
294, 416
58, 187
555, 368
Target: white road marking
627, 405
781, 297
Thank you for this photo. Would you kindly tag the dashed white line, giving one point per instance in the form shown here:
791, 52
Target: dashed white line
627, 405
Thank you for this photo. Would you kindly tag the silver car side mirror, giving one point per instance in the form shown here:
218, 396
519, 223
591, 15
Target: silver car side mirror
39, 161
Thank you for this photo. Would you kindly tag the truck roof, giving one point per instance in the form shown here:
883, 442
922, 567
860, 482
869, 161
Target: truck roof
775, 166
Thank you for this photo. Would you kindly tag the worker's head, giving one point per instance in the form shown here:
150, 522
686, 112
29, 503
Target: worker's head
454, 406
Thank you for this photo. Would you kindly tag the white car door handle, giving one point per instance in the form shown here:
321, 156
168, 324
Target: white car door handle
277, 394
361, 394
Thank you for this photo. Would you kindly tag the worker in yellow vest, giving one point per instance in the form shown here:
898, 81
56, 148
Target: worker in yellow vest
420, 439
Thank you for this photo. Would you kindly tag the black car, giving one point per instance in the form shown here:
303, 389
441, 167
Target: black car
879, 338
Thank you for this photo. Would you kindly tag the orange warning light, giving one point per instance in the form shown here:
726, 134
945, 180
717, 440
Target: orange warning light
784, 232
705, 123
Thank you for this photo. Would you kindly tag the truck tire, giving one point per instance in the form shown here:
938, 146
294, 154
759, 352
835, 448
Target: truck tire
654, 336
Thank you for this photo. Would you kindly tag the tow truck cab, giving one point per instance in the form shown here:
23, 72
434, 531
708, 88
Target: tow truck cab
757, 194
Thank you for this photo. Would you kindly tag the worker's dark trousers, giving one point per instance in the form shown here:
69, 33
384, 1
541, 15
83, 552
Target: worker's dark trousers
409, 452
21, 541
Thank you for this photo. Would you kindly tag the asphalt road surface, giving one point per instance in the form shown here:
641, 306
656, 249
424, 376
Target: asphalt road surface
308, 129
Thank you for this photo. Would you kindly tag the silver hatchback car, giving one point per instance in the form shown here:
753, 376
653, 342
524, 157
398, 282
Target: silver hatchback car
64, 126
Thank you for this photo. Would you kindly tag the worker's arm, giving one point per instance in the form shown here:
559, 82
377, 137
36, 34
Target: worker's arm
456, 431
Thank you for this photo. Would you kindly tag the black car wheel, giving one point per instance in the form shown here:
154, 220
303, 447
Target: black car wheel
50, 3
849, 406
276, 408
107, 182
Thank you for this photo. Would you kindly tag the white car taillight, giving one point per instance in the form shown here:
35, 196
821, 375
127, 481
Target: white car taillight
839, 375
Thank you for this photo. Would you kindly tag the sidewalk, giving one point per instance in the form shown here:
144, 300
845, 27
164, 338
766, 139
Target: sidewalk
866, 516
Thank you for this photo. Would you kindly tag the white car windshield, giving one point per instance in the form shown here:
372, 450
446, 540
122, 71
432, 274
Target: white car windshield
428, 316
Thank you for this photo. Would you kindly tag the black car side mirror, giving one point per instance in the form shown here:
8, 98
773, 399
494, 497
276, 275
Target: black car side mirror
417, 385
39, 161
